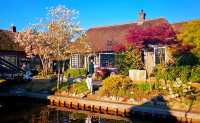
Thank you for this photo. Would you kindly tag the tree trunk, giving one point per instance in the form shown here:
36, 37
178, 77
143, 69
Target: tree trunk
63, 70
58, 75
43, 66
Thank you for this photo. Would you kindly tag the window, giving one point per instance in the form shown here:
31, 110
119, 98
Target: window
159, 55
11, 59
107, 60
74, 61
77, 61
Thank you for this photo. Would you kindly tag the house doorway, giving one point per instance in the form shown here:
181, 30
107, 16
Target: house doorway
90, 64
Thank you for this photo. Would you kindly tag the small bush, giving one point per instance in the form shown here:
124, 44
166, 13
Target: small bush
80, 87
75, 72
117, 85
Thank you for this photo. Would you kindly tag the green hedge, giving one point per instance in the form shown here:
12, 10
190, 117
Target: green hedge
75, 72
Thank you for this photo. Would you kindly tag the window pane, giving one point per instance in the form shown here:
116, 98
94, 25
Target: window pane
160, 55
107, 60
74, 61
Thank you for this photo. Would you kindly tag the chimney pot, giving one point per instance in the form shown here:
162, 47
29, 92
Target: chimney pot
142, 16
13, 28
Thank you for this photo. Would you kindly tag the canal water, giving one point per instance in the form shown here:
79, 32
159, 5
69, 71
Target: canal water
17, 110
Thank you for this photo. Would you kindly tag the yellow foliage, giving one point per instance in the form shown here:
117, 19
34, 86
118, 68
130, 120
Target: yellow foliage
190, 34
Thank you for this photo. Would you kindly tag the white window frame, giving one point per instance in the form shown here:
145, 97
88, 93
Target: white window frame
154, 51
77, 58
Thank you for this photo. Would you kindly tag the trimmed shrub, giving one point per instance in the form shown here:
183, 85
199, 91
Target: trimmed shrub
80, 87
75, 72
116, 85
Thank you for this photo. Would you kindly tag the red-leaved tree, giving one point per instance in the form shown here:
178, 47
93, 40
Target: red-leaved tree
141, 36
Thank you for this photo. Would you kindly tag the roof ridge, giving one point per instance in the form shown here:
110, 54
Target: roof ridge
121, 24
4, 30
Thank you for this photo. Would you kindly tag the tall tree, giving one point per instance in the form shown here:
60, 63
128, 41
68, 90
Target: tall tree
190, 35
52, 37
35, 43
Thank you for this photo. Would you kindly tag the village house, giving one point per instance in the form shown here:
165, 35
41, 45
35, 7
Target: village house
9, 50
11, 55
102, 39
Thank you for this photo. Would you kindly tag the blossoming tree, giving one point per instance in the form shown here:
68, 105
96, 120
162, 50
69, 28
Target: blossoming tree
52, 37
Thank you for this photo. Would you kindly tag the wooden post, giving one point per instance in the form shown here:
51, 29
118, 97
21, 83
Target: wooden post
116, 111
106, 110
84, 107
77, 106
124, 112
70, 106
59, 103
92, 108
99, 109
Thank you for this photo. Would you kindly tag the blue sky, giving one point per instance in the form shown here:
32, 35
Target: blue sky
98, 12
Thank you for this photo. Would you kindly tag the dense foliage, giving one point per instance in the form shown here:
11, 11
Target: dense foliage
152, 34
182, 59
177, 79
121, 86
189, 34
142, 35
75, 72
130, 59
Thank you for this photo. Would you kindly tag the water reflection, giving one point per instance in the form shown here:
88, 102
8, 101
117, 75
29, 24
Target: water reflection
49, 115
18, 112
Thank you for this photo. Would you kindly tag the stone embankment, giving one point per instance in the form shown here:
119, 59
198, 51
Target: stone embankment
106, 107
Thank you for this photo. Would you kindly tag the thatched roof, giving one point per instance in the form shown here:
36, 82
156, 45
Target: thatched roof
7, 41
105, 37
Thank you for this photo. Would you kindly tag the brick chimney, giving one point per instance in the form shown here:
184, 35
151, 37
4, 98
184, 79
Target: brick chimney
13, 28
142, 17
